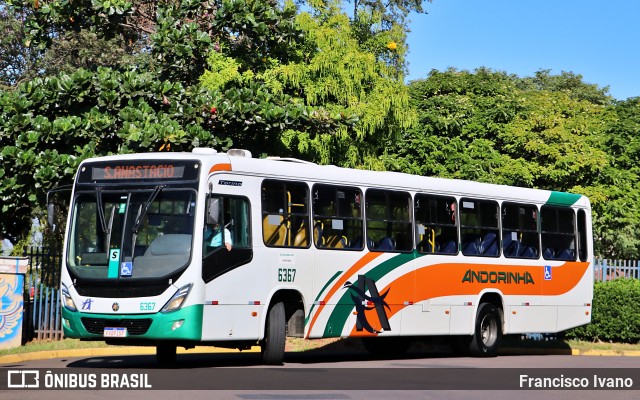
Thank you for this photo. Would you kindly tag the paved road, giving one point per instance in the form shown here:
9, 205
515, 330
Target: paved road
348, 376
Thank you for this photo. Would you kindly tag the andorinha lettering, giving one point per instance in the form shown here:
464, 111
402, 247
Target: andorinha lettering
472, 276
159, 171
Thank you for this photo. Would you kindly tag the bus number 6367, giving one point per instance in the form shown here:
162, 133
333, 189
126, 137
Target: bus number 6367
286, 274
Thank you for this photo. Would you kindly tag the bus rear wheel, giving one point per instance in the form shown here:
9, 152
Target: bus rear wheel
275, 336
488, 331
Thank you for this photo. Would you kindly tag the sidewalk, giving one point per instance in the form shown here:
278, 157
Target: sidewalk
124, 351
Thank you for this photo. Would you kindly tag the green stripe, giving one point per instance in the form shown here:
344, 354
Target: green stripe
563, 199
333, 278
345, 305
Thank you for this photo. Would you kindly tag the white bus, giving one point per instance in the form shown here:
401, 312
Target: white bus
222, 249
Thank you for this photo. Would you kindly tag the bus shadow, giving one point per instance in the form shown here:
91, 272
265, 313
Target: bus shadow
341, 351
344, 350
183, 361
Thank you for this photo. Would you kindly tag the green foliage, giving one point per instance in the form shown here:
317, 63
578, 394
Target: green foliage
332, 95
392, 12
549, 132
616, 313
46, 20
15, 58
179, 45
95, 77
568, 83
52, 123
77, 108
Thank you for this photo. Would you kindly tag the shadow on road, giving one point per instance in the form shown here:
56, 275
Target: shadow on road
346, 350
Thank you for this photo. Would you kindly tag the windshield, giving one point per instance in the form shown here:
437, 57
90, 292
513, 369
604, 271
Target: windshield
131, 234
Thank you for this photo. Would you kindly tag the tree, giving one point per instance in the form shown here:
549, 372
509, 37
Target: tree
50, 123
620, 212
304, 84
493, 127
569, 83
15, 57
393, 12
358, 80
49, 38
460, 116
327, 97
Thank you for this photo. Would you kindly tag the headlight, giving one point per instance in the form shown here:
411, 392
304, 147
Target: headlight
67, 301
178, 299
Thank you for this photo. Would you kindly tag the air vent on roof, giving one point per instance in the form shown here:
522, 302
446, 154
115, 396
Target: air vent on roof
204, 150
239, 153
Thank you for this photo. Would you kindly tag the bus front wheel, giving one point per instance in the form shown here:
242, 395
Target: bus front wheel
488, 331
274, 336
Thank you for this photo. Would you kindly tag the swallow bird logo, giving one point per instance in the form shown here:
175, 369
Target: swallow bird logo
364, 302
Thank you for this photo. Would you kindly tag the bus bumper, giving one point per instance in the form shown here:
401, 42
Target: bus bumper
183, 324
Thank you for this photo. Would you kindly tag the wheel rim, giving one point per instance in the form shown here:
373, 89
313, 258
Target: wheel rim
488, 331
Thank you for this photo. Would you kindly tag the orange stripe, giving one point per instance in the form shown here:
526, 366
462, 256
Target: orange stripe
446, 280
367, 258
220, 167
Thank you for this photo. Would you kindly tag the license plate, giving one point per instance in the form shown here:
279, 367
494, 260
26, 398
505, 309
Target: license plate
115, 332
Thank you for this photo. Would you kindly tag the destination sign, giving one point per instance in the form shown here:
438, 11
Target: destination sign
154, 171
139, 171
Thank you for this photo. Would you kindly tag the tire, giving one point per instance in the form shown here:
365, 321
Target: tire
488, 332
275, 336
386, 347
166, 354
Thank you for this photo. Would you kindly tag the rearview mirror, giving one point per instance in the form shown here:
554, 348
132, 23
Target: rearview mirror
51, 213
213, 211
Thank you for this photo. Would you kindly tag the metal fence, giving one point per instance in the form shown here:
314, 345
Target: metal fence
42, 318
606, 270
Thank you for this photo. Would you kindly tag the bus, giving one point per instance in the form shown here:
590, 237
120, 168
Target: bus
224, 249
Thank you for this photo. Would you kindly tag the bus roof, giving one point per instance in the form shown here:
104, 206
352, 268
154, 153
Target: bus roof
287, 168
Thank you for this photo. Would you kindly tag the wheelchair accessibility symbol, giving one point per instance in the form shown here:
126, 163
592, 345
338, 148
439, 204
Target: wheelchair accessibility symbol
126, 268
547, 272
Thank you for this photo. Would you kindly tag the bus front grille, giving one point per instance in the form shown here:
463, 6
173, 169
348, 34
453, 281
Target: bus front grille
134, 326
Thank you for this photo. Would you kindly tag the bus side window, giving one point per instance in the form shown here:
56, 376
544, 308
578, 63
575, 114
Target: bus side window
583, 250
558, 233
389, 224
285, 214
230, 228
337, 217
479, 227
436, 230
520, 237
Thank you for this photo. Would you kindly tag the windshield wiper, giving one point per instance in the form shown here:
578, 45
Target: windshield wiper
142, 210
103, 222
113, 213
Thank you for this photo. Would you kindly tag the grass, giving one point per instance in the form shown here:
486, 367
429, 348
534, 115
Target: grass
349, 344
51, 345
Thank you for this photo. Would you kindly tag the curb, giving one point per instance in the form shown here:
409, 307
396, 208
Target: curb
566, 352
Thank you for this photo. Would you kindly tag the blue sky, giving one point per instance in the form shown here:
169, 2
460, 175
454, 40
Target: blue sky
599, 40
